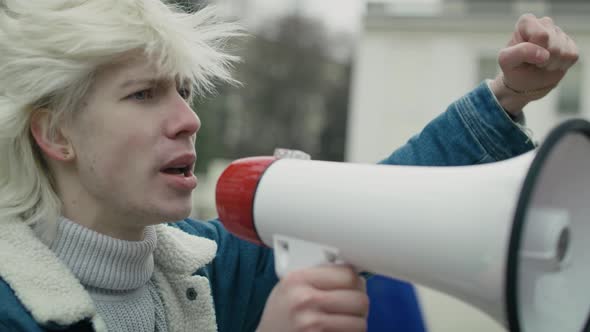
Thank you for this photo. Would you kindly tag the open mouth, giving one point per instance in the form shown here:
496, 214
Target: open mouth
180, 171
181, 166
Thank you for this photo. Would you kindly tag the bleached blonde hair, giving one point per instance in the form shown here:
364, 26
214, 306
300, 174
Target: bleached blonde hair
50, 51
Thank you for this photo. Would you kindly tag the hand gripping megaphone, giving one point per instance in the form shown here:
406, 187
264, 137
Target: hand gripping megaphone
511, 238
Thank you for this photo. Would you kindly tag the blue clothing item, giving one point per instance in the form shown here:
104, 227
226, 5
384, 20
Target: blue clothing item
241, 275
394, 306
473, 130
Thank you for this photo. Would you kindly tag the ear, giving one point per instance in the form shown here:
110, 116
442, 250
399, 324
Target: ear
57, 146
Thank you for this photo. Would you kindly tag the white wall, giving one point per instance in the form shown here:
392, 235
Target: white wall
403, 78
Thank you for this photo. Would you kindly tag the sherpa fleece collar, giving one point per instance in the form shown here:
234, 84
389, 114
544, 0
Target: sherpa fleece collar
47, 288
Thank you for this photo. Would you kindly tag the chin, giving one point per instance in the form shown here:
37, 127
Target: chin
168, 208
178, 215
175, 212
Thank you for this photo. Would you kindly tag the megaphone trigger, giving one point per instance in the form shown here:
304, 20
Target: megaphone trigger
292, 254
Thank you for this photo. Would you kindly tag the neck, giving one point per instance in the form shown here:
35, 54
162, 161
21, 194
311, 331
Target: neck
87, 212
114, 226
102, 262
98, 213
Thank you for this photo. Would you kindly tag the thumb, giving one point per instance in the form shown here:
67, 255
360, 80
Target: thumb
522, 53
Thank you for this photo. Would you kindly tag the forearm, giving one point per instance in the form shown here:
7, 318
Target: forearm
475, 129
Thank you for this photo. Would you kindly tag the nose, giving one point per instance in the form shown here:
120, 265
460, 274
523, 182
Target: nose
183, 121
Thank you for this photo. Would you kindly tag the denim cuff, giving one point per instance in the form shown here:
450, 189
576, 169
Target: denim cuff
489, 124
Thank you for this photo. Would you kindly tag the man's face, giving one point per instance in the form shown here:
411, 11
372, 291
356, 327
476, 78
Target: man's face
134, 145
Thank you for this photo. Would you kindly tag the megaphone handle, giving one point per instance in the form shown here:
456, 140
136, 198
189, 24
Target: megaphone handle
294, 254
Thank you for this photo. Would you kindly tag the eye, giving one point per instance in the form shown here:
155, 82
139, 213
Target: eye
185, 93
142, 95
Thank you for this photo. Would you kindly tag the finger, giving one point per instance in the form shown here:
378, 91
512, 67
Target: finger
557, 46
570, 55
519, 54
331, 277
346, 324
344, 302
532, 30
546, 21
330, 323
363, 284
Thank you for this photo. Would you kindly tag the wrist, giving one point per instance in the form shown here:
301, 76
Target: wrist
514, 100
511, 101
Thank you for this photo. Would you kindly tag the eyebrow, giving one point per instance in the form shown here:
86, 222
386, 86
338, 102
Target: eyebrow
153, 82
134, 82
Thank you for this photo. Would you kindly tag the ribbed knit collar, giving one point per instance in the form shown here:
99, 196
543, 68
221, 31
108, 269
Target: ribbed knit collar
103, 262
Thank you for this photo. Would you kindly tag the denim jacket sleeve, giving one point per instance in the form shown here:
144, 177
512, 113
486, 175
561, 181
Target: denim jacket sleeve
474, 130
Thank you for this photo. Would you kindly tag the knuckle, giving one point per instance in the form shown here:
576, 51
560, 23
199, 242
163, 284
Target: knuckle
351, 279
364, 301
541, 36
304, 299
555, 51
309, 322
573, 60
523, 52
527, 17
523, 21
363, 284
294, 278
503, 57
575, 57
574, 49
570, 56
546, 20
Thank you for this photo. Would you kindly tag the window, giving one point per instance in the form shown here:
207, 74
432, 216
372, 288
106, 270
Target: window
570, 91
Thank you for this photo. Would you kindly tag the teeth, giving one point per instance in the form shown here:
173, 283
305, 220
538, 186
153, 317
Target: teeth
179, 170
174, 170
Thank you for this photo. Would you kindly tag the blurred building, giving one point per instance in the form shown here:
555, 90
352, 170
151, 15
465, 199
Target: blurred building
416, 57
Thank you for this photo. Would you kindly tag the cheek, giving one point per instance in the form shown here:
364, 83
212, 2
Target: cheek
129, 155
115, 146
115, 157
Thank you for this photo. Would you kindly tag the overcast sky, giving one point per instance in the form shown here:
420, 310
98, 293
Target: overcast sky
339, 14
336, 14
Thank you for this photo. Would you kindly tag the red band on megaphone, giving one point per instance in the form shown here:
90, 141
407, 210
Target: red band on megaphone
234, 196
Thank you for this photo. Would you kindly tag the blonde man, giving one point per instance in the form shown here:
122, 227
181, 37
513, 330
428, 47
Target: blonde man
97, 143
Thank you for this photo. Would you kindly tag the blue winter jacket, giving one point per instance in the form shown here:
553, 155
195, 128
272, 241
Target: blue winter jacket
473, 130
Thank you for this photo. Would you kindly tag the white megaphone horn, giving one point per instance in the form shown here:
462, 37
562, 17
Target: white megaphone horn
511, 238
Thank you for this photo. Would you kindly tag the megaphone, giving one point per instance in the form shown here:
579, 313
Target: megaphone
511, 238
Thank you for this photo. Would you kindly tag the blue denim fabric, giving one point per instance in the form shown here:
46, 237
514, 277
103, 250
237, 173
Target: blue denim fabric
473, 130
